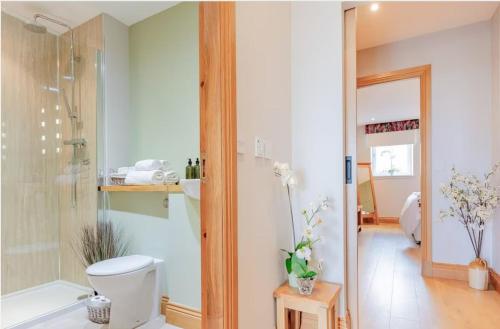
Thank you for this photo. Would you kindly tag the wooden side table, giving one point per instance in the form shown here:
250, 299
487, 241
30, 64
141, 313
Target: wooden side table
322, 302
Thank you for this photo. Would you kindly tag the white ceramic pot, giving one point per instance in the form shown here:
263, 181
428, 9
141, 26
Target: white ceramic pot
292, 280
478, 274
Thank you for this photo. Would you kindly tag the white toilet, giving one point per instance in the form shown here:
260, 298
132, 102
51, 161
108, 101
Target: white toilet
133, 284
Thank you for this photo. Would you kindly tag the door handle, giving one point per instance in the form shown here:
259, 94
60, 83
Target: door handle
203, 166
348, 169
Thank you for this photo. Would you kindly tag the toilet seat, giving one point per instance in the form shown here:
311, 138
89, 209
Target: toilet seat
119, 265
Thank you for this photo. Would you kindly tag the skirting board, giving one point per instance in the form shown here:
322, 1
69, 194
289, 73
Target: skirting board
180, 315
450, 271
389, 220
495, 280
460, 272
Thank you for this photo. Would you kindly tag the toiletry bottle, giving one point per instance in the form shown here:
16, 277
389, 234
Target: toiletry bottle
197, 168
189, 169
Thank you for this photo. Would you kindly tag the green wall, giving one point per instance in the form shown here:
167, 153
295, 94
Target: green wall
164, 106
164, 92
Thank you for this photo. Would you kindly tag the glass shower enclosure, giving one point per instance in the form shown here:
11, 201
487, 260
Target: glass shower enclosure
49, 103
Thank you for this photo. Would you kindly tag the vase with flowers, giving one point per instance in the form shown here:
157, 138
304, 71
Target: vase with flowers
473, 202
302, 270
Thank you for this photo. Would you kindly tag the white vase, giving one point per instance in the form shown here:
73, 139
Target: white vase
478, 274
292, 280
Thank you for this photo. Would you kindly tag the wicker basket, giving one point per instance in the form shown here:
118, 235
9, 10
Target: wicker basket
117, 180
99, 309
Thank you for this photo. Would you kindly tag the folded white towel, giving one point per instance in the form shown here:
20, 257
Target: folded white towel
165, 165
152, 164
171, 177
136, 177
124, 170
147, 165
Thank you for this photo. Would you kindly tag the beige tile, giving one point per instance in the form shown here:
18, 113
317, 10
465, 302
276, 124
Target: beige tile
39, 226
30, 216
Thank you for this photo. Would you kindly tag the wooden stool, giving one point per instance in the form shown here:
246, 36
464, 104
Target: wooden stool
322, 302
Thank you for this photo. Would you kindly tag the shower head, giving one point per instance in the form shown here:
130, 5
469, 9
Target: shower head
36, 28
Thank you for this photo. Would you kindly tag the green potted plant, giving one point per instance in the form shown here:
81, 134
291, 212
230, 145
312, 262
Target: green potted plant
299, 264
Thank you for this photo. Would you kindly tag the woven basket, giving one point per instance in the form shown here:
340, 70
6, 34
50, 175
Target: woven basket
99, 309
117, 180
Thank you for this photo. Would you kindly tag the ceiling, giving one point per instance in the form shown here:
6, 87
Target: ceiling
388, 102
78, 12
396, 21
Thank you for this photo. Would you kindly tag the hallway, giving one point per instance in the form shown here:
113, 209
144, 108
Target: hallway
393, 294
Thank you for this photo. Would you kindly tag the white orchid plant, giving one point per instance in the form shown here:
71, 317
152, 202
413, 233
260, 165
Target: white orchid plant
298, 261
288, 180
473, 202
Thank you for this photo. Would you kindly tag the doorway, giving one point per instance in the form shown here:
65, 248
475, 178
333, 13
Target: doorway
392, 175
422, 76
399, 82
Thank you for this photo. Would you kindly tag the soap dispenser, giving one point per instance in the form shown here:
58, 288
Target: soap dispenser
197, 169
189, 169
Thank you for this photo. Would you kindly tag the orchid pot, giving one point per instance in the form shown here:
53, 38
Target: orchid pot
478, 274
292, 280
306, 285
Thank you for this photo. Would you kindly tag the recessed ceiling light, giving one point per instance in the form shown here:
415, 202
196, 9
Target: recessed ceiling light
374, 7
372, 119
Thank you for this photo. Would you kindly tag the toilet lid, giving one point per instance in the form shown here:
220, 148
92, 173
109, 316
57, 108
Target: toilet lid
119, 265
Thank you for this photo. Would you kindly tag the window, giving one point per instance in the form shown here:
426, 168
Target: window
392, 160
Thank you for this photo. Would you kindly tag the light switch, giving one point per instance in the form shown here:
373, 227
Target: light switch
260, 147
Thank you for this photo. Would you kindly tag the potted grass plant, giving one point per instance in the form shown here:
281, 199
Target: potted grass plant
97, 243
100, 242
473, 202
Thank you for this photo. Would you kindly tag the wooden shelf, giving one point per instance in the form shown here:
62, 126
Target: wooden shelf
169, 188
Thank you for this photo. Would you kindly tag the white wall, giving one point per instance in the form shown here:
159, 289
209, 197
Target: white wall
278, 43
318, 121
391, 192
389, 101
461, 115
496, 132
263, 105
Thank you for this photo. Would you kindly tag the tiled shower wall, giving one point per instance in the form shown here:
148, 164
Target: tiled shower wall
30, 210
39, 225
88, 41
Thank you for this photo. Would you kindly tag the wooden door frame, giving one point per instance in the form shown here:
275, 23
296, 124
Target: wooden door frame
217, 40
424, 74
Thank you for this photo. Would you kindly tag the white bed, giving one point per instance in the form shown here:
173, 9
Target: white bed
410, 217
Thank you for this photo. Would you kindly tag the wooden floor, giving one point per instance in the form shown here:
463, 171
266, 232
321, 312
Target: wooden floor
393, 294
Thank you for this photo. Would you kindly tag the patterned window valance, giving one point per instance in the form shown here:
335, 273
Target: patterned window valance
392, 126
